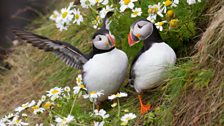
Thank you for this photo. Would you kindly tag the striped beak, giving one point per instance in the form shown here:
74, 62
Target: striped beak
112, 41
132, 39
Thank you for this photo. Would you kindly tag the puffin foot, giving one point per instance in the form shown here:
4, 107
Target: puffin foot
144, 108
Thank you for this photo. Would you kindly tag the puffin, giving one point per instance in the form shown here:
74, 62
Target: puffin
151, 63
103, 69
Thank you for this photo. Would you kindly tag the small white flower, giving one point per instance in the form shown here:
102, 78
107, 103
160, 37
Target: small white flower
169, 3
25, 106
159, 25
37, 109
55, 15
153, 11
2, 123
86, 3
127, 4
114, 105
101, 113
24, 115
127, 117
67, 89
105, 10
118, 95
17, 122
41, 124
62, 26
66, 15
79, 79
43, 98
136, 12
99, 123
64, 121
54, 93
93, 95
191, 2
104, 2
78, 17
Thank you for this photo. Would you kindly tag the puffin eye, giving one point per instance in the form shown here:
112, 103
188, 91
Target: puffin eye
100, 39
139, 26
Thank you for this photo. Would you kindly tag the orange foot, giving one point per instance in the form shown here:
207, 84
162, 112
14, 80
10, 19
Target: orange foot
144, 108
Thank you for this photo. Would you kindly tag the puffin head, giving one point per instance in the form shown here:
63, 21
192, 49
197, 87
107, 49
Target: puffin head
140, 30
103, 39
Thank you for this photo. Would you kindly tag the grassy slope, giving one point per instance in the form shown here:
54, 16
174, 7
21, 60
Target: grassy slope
40, 71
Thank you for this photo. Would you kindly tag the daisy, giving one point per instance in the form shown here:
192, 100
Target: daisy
54, 93
66, 15
118, 95
153, 11
159, 25
191, 2
105, 10
55, 15
78, 17
2, 123
99, 123
61, 26
17, 122
127, 4
127, 117
79, 79
93, 95
136, 12
86, 3
104, 2
169, 3
37, 110
101, 113
48, 105
67, 89
64, 121
25, 106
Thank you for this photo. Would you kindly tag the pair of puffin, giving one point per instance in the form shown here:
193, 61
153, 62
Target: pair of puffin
106, 66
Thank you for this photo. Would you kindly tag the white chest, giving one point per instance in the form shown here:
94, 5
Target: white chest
106, 72
150, 67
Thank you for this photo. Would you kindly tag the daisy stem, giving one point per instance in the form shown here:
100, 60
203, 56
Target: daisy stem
119, 108
93, 107
73, 104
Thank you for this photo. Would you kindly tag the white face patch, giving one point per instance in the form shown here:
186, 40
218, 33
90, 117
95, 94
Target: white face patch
143, 28
101, 42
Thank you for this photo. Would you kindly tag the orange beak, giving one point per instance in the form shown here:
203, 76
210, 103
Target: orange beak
112, 41
132, 39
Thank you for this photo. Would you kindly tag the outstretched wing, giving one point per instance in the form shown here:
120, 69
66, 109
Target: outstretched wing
66, 52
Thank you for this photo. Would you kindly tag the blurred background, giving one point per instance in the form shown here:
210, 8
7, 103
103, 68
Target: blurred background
17, 13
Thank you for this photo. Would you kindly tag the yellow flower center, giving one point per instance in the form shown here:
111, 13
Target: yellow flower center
97, 1
82, 86
93, 92
161, 23
47, 105
170, 13
77, 17
173, 23
118, 95
78, 79
55, 91
126, 2
64, 15
135, 13
35, 107
153, 10
18, 121
168, 3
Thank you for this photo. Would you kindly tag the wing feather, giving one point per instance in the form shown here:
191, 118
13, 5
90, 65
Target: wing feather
66, 52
